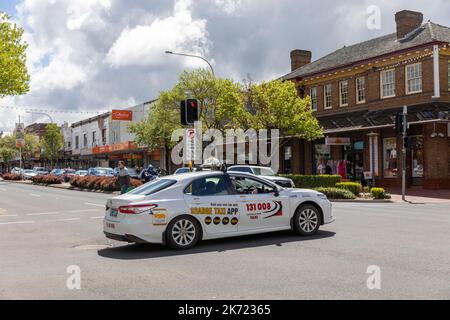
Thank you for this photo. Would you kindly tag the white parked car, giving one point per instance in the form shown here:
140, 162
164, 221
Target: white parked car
180, 210
265, 172
29, 174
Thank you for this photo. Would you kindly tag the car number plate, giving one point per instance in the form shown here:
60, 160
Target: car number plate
110, 225
113, 213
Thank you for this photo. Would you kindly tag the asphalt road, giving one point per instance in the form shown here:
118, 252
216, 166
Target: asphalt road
45, 230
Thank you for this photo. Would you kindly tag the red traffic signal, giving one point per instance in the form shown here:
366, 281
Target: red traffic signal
189, 111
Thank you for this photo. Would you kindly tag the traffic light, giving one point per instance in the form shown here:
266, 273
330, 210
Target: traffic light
407, 142
399, 123
189, 111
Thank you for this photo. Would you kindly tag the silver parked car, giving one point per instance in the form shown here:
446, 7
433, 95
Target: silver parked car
265, 172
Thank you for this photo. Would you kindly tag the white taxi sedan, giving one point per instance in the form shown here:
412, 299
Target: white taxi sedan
181, 210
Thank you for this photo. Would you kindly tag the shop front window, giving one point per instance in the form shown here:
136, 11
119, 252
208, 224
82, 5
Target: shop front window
390, 157
322, 158
417, 157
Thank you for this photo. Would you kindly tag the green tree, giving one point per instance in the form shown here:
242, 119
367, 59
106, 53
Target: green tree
276, 105
52, 142
14, 78
31, 147
221, 105
7, 149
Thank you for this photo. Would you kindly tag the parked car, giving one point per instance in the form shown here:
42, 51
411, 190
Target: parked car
57, 172
17, 171
212, 205
101, 172
81, 173
40, 171
131, 172
265, 172
68, 174
29, 174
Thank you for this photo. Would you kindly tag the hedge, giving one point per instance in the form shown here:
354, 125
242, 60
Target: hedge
379, 193
100, 183
336, 194
12, 177
311, 182
48, 179
354, 187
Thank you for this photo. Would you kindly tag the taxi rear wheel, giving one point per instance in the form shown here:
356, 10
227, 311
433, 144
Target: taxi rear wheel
183, 233
307, 220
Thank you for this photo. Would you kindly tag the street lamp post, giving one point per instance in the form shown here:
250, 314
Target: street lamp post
192, 56
41, 113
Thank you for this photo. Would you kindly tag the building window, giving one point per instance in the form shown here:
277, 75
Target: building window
390, 157
313, 94
77, 142
327, 97
94, 138
343, 93
388, 83
361, 90
414, 78
104, 136
448, 75
85, 140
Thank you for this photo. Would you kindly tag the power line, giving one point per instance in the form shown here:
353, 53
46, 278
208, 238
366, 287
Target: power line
52, 111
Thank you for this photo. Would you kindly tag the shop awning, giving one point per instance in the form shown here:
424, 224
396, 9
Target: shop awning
367, 120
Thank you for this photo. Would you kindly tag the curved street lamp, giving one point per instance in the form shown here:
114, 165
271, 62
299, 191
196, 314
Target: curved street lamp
192, 56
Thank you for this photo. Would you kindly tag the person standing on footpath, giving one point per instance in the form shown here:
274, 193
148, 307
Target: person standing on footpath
124, 179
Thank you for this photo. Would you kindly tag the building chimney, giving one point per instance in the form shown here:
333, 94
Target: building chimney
299, 58
407, 21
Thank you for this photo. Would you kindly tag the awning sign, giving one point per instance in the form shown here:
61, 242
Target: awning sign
122, 115
337, 141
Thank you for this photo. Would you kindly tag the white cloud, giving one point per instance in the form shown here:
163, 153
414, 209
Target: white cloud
145, 44
229, 6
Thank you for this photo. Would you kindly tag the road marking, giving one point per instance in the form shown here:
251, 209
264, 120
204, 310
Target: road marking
3, 189
94, 204
8, 215
64, 220
18, 222
81, 211
43, 214
94, 218
35, 195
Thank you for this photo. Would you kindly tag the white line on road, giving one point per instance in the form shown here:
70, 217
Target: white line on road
43, 214
64, 220
18, 222
97, 217
94, 204
3, 189
35, 195
81, 211
8, 215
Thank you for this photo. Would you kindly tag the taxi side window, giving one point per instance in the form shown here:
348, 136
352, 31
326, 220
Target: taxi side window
244, 185
210, 186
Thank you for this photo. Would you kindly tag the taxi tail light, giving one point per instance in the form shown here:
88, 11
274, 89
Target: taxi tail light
137, 209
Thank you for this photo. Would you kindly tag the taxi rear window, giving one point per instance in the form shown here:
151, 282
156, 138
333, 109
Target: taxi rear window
153, 187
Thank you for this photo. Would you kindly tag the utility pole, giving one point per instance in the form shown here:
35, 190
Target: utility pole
405, 132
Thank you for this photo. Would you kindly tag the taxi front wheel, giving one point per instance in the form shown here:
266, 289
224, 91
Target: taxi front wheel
183, 233
307, 220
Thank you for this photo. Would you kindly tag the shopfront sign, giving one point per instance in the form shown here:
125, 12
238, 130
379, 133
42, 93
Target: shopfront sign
122, 115
124, 146
337, 141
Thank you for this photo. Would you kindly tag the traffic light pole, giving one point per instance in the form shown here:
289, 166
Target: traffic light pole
405, 128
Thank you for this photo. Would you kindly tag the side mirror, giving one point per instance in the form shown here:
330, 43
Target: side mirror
276, 193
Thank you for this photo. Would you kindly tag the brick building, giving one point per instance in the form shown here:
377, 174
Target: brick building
356, 91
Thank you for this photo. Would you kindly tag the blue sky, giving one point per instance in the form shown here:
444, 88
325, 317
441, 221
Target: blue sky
8, 6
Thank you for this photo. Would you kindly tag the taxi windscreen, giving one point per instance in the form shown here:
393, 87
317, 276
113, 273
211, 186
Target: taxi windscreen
153, 187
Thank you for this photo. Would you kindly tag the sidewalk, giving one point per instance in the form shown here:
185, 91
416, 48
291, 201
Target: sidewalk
419, 195
64, 185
